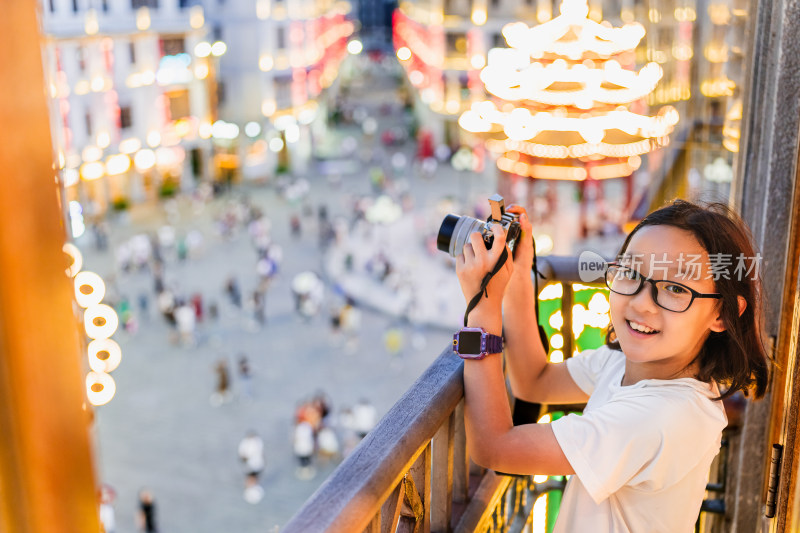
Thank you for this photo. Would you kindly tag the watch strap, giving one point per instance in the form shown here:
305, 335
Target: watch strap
494, 343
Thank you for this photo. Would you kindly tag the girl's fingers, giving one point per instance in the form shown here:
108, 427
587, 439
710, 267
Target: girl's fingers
524, 221
498, 244
468, 253
460, 261
476, 244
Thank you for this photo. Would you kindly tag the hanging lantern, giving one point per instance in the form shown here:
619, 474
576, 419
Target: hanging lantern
567, 103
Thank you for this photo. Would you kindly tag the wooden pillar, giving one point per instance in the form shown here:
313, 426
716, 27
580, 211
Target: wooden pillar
46, 470
766, 178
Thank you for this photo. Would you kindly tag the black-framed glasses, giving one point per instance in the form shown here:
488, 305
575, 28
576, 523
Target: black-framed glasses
670, 295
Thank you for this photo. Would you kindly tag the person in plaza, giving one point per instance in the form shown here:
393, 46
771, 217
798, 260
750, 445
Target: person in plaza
259, 300
347, 427
233, 291
245, 376
107, 514
222, 393
146, 513
309, 412
168, 304
158, 275
308, 290
251, 453
364, 417
186, 321
144, 305
336, 322
295, 226
681, 339
182, 249
321, 402
350, 323
303, 446
328, 448
393, 340
197, 305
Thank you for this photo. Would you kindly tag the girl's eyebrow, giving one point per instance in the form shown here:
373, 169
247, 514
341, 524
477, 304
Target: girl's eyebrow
668, 269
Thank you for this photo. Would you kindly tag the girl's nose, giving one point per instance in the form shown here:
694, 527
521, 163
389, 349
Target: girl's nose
643, 300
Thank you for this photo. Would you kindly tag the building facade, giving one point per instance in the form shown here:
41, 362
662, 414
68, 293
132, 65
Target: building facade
152, 96
133, 104
281, 57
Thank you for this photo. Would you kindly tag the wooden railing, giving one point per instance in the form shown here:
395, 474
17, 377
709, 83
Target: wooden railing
411, 469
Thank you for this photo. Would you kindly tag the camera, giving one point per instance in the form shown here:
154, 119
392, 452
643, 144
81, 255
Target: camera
455, 230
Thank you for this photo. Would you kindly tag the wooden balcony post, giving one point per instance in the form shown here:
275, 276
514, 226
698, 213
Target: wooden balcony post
46, 471
460, 459
442, 476
766, 175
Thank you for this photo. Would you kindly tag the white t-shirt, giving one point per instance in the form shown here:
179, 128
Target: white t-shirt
641, 453
251, 449
303, 443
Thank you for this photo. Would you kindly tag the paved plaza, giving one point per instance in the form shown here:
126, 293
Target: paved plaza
162, 431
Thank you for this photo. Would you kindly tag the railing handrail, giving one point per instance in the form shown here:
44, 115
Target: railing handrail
565, 269
354, 492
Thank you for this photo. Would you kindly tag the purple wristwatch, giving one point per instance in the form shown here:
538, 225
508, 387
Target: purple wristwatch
475, 343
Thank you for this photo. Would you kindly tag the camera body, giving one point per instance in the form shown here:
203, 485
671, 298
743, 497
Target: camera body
455, 230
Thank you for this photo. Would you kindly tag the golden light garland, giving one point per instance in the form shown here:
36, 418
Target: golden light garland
533, 81
552, 37
100, 322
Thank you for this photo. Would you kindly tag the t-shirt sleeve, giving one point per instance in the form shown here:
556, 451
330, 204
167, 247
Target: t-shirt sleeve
639, 438
585, 367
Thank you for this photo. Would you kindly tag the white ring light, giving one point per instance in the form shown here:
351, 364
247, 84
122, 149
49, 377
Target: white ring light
100, 388
89, 289
104, 355
100, 321
77, 259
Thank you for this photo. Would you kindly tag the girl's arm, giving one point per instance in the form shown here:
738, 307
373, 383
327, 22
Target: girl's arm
494, 442
531, 377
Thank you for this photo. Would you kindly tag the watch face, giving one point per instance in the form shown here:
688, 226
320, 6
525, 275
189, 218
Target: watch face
469, 342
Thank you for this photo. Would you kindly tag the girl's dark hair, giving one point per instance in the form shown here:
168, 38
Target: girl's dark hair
736, 357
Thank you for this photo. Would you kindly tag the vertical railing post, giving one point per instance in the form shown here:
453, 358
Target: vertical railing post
567, 301
420, 472
442, 476
375, 524
390, 510
46, 471
460, 458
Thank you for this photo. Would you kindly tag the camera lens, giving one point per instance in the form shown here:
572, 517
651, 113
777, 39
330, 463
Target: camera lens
454, 233
446, 232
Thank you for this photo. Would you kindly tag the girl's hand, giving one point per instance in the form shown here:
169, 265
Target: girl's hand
523, 250
476, 261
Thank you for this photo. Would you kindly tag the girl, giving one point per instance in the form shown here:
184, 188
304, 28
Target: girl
685, 315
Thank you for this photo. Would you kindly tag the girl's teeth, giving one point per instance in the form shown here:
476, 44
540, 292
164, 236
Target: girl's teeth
643, 329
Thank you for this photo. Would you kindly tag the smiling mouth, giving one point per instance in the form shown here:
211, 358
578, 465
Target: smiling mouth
641, 328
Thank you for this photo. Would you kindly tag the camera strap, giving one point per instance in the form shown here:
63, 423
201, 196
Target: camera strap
485, 282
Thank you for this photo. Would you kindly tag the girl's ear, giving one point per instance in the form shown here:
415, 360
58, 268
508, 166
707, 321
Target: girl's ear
718, 325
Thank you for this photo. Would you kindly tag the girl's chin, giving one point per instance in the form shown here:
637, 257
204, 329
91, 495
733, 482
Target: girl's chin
635, 353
